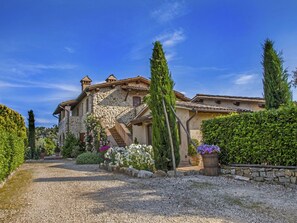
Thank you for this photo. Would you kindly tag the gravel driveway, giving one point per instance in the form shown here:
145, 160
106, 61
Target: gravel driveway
65, 192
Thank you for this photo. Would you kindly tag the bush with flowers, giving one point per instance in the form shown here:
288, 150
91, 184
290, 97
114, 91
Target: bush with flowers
208, 149
137, 156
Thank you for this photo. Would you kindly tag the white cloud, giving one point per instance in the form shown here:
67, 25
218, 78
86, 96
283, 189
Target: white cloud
27, 69
69, 49
34, 84
4, 84
169, 11
171, 39
244, 79
43, 121
170, 56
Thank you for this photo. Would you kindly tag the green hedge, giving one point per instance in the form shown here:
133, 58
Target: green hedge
12, 141
88, 158
265, 137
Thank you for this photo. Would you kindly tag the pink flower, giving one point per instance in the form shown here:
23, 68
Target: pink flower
103, 148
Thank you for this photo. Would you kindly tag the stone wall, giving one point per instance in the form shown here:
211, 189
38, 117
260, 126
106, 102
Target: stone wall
272, 174
109, 104
75, 125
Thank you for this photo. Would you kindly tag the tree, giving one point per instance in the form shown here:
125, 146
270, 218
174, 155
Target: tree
31, 137
295, 77
49, 146
275, 78
71, 143
162, 87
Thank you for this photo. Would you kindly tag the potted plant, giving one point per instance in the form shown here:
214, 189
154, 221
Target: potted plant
192, 153
210, 158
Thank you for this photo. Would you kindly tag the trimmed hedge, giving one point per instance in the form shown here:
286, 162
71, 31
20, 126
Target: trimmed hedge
12, 141
265, 137
88, 158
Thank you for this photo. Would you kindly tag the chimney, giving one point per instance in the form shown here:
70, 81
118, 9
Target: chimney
85, 82
111, 78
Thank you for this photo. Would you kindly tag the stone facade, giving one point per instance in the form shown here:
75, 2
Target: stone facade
110, 102
272, 174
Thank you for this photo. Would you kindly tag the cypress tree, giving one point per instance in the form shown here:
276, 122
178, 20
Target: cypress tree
31, 137
294, 81
275, 78
162, 86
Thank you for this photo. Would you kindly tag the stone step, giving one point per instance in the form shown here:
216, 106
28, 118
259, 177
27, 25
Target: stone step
184, 164
117, 137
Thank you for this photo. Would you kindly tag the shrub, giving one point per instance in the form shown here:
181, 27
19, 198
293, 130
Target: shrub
265, 137
88, 158
137, 156
12, 141
191, 148
70, 143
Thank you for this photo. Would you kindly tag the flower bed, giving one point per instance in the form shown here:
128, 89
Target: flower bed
135, 156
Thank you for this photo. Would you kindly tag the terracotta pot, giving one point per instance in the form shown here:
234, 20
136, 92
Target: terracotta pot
194, 160
211, 164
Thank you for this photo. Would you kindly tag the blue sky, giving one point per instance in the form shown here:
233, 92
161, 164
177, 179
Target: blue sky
212, 47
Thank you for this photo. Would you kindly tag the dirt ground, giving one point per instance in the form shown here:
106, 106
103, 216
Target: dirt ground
61, 191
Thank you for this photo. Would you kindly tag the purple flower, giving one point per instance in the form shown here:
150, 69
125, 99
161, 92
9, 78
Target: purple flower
103, 148
208, 149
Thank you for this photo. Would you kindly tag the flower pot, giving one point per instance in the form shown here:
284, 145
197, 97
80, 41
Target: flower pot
211, 164
194, 160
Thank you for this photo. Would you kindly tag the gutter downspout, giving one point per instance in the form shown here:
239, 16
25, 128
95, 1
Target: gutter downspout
186, 131
188, 126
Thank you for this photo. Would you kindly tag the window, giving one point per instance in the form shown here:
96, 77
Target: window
136, 101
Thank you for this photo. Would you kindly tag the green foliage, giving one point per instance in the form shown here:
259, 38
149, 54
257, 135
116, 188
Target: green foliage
49, 146
70, 143
162, 86
88, 158
31, 136
294, 81
12, 141
96, 134
135, 141
266, 137
192, 151
77, 150
275, 78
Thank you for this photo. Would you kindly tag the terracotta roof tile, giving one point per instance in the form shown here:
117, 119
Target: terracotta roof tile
227, 97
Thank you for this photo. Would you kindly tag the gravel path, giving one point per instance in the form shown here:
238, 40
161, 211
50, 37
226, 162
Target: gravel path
65, 192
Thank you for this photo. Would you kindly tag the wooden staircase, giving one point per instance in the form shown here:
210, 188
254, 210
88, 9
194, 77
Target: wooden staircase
117, 137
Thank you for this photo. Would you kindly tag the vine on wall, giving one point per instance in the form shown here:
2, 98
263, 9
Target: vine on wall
95, 135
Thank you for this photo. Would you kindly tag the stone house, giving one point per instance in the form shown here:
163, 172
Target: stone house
119, 106
191, 114
114, 102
